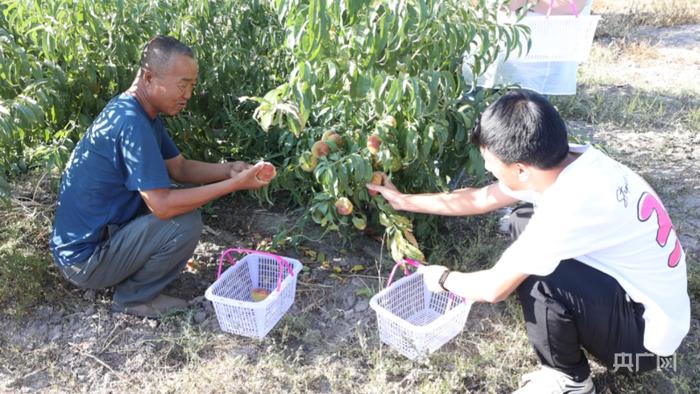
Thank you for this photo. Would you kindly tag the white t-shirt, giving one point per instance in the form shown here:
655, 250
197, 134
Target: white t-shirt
553, 78
602, 214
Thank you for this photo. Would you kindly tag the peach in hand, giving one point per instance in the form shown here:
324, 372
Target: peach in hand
376, 180
266, 173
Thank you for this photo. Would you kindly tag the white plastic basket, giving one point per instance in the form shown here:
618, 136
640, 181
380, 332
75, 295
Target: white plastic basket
415, 321
558, 38
230, 294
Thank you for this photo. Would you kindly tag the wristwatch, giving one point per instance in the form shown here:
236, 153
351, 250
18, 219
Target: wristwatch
443, 278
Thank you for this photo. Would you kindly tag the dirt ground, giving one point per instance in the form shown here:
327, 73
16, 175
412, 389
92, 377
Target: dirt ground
77, 344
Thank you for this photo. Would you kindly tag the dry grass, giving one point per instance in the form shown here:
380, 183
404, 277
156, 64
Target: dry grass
626, 106
639, 52
623, 17
27, 275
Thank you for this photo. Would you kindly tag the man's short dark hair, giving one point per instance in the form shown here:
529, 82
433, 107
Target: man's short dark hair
523, 127
160, 49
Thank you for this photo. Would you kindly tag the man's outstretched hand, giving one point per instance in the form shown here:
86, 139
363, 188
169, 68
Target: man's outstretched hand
389, 192
431, 276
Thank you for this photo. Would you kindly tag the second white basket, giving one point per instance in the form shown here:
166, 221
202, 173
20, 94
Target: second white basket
415, 321
558, 38
231, 293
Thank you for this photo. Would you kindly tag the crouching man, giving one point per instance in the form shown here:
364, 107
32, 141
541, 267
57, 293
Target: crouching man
118, 220
596, 264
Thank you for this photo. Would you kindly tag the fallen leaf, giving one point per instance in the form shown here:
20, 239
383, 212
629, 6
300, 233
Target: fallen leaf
309, 253
337, 277
365, 292
192, 266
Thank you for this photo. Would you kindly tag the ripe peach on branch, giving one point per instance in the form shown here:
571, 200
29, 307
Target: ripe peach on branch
335, 138
373, 143
307, 161
320, 149
343, 206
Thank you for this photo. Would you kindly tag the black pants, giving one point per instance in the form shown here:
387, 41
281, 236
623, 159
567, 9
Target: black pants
575, 307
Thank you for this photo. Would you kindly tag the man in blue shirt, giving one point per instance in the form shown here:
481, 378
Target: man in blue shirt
104, 234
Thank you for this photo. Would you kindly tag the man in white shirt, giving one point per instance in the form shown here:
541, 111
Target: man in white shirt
598, 266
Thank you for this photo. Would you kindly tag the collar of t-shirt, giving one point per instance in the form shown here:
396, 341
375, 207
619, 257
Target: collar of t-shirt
533, 196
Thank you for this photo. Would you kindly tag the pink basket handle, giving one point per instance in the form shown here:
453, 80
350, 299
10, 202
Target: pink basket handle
405, 269
574, 10
406, 273
280, 260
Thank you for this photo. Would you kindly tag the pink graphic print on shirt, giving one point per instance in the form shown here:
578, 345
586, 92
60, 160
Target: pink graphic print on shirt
647, 205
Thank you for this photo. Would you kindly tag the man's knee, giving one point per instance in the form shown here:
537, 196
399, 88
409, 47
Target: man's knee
524, 290
190, 223
545, 289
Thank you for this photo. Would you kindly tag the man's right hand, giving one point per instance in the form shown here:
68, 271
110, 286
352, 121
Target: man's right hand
389, 192
462, 202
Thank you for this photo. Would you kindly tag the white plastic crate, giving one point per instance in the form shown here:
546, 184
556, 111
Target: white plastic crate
558, 38
415, 321
230, 294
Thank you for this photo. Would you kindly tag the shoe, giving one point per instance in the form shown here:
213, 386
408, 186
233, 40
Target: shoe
504, 221
550, 381
156, 307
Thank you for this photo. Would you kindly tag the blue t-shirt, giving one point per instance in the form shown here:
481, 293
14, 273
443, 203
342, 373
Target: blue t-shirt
123, 152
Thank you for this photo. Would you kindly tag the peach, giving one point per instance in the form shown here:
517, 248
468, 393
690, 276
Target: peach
307, 161
334, 137
373, 143
320, 149
390, 121
258, 294
266, 173
376, 180
343, 206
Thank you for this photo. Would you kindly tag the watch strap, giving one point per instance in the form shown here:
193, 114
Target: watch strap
443, 278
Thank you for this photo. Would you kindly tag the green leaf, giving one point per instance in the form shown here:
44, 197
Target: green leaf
359, 222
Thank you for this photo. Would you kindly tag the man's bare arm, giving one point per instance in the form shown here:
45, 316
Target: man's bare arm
462, 202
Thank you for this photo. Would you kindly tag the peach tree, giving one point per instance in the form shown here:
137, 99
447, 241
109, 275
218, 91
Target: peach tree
62, 60
377, 86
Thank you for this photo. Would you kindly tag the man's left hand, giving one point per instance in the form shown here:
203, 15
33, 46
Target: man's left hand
237, 166
431, 276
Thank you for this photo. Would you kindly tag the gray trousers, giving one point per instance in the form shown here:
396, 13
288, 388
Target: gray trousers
140, 257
